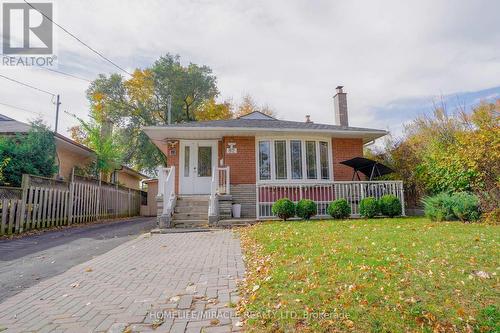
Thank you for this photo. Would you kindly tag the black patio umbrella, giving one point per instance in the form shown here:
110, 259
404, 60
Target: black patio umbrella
369, 168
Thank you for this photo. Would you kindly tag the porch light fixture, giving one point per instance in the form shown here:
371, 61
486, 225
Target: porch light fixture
171, 143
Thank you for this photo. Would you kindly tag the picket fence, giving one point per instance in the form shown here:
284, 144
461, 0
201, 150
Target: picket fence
44, 203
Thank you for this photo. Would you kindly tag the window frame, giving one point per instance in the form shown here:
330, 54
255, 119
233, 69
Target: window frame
275, 143
288, 153
271, 160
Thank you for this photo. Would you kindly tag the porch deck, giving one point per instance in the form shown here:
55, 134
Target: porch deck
266, 194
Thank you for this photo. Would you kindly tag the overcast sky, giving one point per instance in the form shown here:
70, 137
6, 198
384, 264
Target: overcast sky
393, 57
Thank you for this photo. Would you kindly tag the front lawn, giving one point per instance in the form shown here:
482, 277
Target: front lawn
382, 275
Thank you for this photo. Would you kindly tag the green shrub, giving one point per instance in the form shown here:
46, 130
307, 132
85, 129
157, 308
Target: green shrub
369, 207
306, 209
466, 206
439, 207
390, 205
339, 209
284, 209
32, 153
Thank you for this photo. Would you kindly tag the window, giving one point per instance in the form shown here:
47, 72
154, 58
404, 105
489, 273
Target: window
204, 161
187, 156
280, 159
264, 160
323, 160
296, 158
311, 160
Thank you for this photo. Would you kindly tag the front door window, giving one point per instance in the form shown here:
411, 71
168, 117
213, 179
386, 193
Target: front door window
187, 159
204, 161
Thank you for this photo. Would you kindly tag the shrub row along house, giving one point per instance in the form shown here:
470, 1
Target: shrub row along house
255, 160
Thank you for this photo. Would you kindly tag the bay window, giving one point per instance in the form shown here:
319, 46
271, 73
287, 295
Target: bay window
294, 159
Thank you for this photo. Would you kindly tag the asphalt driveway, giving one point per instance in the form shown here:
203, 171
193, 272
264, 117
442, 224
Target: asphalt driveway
29, 260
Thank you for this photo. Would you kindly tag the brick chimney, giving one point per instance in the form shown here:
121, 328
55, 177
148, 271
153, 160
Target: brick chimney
340, 105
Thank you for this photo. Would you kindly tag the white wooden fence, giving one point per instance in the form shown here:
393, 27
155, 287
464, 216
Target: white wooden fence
46, 203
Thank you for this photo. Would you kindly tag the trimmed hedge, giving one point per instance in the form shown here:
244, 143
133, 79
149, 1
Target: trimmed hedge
369, 207
305, 209
283, 208
339, 209
390, 205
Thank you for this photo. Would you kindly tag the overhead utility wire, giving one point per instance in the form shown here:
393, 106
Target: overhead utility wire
67, 74
27, 85
79, 40
22, 109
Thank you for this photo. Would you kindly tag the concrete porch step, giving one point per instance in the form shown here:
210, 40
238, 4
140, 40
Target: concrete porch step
193, 198
191, 204
191, 224
194, 202
191, 216
191, 209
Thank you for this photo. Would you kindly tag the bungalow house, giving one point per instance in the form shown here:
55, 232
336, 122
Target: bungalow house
255, 160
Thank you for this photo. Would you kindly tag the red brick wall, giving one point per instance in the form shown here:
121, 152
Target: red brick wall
172, 160
242, 164
243, 167
344, 149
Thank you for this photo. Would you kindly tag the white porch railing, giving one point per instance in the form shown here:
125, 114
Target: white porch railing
324, 193
224, 181
213, 205
166, 188
220, 185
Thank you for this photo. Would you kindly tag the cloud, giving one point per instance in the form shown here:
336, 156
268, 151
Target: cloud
392, 56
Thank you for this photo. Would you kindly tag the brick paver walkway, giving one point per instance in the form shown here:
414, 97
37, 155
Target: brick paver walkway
183, 282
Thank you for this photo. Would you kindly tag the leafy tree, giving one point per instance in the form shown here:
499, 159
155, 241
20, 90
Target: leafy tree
248, 105
478, 148
188, 86
450, 153
31, 153
211, 110
109, 154
122, 107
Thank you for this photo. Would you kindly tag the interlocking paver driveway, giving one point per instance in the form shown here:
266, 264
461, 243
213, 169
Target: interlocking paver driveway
183, 282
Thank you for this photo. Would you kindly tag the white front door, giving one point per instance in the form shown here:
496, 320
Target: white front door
197, 160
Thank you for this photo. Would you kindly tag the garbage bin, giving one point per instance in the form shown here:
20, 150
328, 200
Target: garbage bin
236, 211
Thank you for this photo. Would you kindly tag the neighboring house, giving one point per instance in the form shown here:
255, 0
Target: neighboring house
267, 159
71, 154
128, 177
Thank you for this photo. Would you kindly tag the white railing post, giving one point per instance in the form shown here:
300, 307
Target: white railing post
228, 183
214, 187
402, 197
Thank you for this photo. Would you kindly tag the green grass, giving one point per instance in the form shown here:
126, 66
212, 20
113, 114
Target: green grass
381, 275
